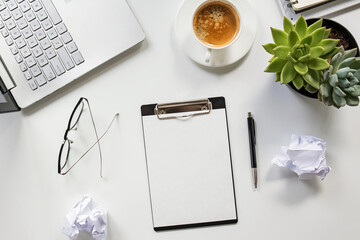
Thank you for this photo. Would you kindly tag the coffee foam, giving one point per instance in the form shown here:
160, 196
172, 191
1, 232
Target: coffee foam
216, 24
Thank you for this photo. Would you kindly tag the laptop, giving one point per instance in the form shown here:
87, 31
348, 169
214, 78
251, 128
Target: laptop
46, 44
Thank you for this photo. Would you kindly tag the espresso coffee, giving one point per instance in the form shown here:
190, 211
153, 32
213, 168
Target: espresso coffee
216, 24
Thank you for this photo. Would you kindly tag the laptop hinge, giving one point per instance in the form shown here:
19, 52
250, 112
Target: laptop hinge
7, 82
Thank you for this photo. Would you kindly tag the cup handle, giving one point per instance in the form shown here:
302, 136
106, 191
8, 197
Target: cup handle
208, 55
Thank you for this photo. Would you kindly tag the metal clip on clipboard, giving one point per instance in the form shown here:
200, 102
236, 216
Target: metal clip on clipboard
198, 107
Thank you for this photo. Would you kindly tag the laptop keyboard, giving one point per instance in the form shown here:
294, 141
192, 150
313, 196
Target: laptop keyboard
38, 39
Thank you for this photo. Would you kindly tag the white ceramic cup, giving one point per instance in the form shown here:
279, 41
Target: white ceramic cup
209, 49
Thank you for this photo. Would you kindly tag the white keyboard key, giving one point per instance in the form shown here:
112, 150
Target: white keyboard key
32, 84
5, 15
30, 61
56, 64
61, 28
45, 44
25, 52
16, 14
53, 14
11, 4
27, 75
18, 58
41, 15
22, 23
19, 1
78, 58
31, 1
4, 32
9, 41
1, 25
50, 53
10, 24
49, 73
20, 42
27, 32
29, 15
46, 24
23, 67
71, 47
57, 43
52, 33
35, 71
40, 34
65, 58
40, 80
14, 50
15, 33
2, 6
32, 42
24, 6
36, 5
42, 61
37, 51
35, 25
66, 37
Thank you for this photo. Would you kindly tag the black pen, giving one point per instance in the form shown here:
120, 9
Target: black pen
252, 143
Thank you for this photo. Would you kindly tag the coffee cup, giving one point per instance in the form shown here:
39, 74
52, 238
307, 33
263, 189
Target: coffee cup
216, 25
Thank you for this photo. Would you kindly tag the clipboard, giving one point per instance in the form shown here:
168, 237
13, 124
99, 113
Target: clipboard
189, 165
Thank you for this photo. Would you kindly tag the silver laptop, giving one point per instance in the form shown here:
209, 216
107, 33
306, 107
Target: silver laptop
46, 44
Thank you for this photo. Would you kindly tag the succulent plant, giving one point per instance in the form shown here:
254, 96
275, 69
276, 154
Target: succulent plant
300, 53
341, 83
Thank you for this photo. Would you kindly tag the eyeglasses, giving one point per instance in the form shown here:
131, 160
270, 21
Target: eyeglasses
72, 125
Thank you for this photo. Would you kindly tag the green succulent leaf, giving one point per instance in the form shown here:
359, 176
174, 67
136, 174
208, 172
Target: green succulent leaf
298, 82
301, 27
339, 92
318, 64
338, 101
313, 78
291, 59
279, 37
325, 89
287, 25
331, 53
269, 47
308, 39
348, 89
316, 51
314, 26
344, 83
328, 44
301, 68
293, 38
288, 73
343, 72
352, 101
311, 89
327, 33
281, 52
350, 53
276, 65
333, 80
335, 61
356, 64
305, 58
277, 77
357, 91
272, 59
347, 62
317, 36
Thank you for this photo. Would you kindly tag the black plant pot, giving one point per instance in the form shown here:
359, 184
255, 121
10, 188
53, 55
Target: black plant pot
337, 27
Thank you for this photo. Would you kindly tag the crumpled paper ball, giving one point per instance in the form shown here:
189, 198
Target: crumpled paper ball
87, 216
305, 156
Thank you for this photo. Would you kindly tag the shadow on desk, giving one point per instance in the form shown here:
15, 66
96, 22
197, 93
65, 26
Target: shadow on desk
92, 75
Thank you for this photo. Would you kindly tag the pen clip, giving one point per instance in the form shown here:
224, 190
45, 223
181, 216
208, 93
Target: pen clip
254, 135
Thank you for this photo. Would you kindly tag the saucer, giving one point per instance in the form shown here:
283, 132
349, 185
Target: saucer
221, 57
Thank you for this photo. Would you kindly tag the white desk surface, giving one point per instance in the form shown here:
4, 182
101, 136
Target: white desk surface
34, 198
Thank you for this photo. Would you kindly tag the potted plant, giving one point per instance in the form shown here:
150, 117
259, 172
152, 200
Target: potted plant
304, 58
